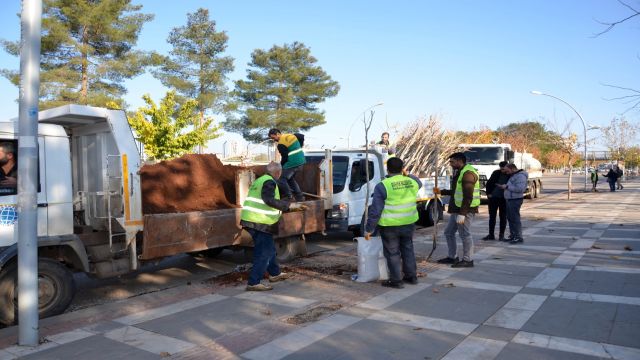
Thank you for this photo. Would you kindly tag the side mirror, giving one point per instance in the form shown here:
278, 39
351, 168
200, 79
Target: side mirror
510, 155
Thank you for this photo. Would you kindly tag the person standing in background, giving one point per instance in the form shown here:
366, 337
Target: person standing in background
497, 203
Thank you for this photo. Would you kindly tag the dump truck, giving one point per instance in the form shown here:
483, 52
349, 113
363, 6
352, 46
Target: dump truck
486, 157
90, 215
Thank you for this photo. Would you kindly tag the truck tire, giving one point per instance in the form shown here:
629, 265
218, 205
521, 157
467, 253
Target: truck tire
538, 189
533, 190
286, 248
211, 253
56, 289
427, 216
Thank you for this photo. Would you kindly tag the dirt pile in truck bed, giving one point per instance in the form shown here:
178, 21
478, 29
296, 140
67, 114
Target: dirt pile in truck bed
193, 182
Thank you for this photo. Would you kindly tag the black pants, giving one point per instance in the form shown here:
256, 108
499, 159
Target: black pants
496, 204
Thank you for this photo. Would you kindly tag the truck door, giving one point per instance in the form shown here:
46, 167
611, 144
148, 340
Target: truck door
9, 190
358, 188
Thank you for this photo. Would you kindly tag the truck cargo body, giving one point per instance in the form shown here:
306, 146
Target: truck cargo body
89, 210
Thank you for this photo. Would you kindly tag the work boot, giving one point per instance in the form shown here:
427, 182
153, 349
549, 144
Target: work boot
410, 280
448, 260
463, 264
393, 284
517, 240
280, 277
489, 237
259, 287
501, 237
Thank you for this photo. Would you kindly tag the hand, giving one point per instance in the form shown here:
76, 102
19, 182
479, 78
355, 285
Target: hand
502, 186
9, 181
405, 172
367, 236
460, 219
297, 207
436, 190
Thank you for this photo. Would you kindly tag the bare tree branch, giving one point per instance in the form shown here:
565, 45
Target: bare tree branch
611, 25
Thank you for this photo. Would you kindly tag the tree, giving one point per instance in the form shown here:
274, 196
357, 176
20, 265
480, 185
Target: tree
632, 96
163, 130
195, 67
619, 136
283, 87
87, 51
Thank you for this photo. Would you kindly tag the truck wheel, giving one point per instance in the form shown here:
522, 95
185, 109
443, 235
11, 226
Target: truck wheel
532, 191
211, 253
56, 289
287, 248
538, 190
427, 216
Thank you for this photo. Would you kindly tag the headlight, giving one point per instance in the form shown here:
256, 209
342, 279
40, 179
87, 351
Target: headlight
339, 211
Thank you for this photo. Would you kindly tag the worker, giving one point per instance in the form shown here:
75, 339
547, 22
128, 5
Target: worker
463, 205
393, 209
9, 170
260, 214
292, 159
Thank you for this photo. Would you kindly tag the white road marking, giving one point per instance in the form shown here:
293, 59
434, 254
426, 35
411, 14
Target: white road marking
389, 298
596, 297
476, 348
424, 322
583, 347
148, 341
284, 300
155, 313
481, 285
549, 278
298, 339
614, 269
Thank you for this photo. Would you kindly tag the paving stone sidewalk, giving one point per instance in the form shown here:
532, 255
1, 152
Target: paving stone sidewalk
571, 291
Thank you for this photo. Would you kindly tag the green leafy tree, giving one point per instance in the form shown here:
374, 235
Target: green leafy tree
195, 67
164, 130
87, 51
283, 88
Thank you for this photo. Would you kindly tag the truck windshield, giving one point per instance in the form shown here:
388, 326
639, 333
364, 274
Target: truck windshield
484, 155
340, 167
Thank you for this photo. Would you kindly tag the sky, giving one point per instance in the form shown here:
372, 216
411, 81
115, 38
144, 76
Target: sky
473, 63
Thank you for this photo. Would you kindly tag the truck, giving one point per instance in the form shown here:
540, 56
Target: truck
349, 187
89, 210
486, 157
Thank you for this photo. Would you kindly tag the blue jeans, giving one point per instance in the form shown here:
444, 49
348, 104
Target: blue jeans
513, 214
287, 184
612, 185
264, 256
397, 242
464, 231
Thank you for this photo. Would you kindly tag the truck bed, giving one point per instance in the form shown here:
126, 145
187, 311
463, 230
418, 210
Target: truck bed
175, 233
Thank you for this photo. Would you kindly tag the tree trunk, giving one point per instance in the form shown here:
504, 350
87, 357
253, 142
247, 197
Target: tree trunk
84, 88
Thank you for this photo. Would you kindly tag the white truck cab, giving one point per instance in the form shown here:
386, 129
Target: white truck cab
350, 187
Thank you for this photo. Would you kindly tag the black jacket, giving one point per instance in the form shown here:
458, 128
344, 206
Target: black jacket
497, 178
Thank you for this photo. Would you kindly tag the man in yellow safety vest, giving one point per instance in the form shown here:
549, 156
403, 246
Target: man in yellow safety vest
463, 205
261, 212
393, 210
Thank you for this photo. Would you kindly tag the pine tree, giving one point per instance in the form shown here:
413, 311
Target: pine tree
283, 87
87, 51
195, 67
164, 130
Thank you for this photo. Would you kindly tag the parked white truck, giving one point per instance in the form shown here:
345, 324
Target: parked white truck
486, 157
90, 215
349, 187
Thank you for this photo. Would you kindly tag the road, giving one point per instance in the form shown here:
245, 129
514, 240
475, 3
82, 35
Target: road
182, 269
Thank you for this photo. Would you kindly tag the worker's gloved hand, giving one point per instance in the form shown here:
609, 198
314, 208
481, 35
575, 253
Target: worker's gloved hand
436, 190
297, 207
367, 236
460, 219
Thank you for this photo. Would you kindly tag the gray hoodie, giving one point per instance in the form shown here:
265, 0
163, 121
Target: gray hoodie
517, 185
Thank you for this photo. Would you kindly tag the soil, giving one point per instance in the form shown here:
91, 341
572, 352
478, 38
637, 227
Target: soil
200, 182
193, 182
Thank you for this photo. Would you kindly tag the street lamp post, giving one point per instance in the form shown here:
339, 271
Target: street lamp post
584, 125
358, 118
